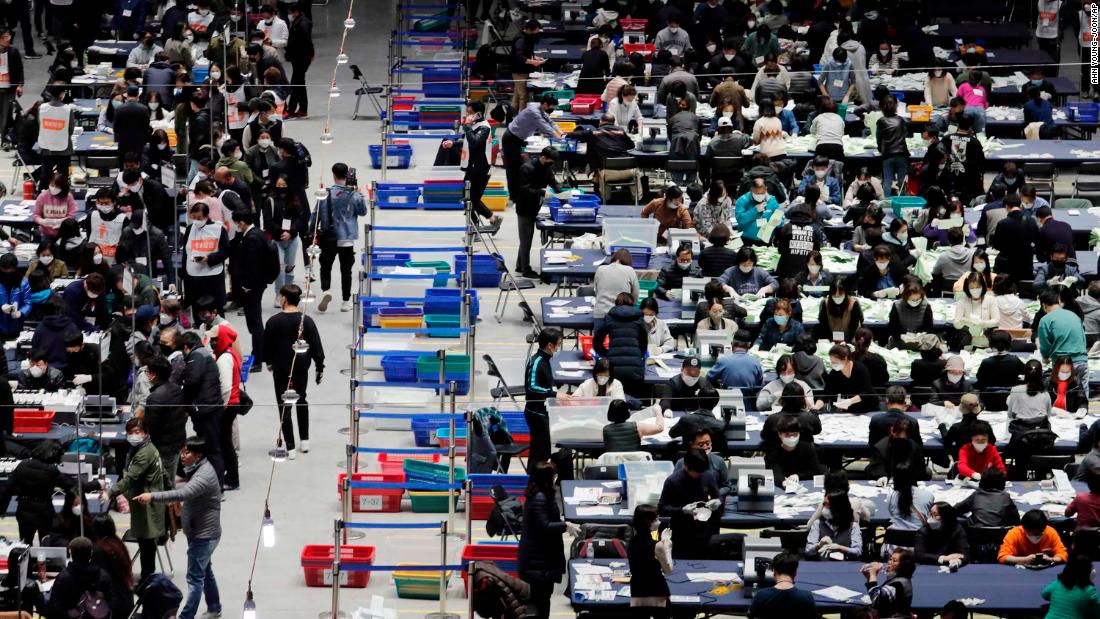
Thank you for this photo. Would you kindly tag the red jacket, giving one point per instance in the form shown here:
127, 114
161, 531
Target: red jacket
971, 461
224, 344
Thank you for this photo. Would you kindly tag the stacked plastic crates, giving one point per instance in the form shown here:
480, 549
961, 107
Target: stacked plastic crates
495, 196
443, 311
421, 472
398, 155
583, 208
439, 115
398, 196
504, 554
443, 194
317, 565
485, 272
456, 368
442, 82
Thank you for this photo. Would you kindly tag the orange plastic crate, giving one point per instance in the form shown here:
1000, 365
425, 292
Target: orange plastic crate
317, 565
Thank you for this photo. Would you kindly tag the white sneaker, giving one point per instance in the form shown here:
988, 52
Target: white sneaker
291, 454
345, 306
303, 446
325, 300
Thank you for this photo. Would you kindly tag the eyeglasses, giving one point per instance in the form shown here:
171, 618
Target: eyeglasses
703, 445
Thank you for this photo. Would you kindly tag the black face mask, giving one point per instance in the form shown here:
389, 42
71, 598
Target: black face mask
166, 350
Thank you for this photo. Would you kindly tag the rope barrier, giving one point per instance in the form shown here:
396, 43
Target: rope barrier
359, 567
391, 383
411, 275
378, 450
413, 486
423, 249
391, 525
423, 416
416, 229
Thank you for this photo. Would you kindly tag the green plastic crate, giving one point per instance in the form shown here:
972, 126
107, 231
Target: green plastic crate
439, 265
418, 470
452, 324
647, 286
417, 585
564, 97
430, 502
428, 365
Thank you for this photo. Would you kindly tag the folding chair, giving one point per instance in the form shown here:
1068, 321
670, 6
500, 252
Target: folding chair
1041, 175
793, 540
728, 170
366, 90
601, 472
129, 538
508, 284
1067, 203
104, 166
502, 390
1040, 466
985, 542
1090, 185
614, 164
689, 167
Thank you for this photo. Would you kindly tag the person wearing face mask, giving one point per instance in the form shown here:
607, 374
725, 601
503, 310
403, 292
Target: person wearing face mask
949, 388
82, 301
143, 53
261, 157
660, 338
40, 375
979, 454
288, 224
650, 562
815, 278
178, 46
199, 20
164, 412
729, 90
796, 401
541, 547
198, 131
689, 494
1060, 273
689, 390
848, 386
627, 342
714, 210
158, 153
882, 276
34, 482
753, 210
539, 386
954, 263
144, 473
939, 88
671, 278
47, 262
975, 313
53, 206
911, 313
716, 318
789, 455
104, 225
206, 248
818, 174
894, 597
999, 372
942, 540
670, 212
624, 108
56, 120
601, 384
275, 29
840, 314
748, 279
622, 434
1065, 392
264, 121
836, 534
739, 370
144, 249
781, 328
1033, 542
673, 38
247, 267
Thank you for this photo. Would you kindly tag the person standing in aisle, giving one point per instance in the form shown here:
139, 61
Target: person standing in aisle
536, 174
144, 473
201, 385
202, 515
299, 53
228, 361
475, 159
336, 223
290, 369
11, 78
247, 270
131, 125
274, 28
205, 247
528, 120
56, 120
21, 12
538, 383
524, 61
1048, 33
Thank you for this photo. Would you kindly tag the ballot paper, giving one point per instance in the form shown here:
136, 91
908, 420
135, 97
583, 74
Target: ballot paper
571, 374
558, 302
948, 223
595, 510
590, 569
837, 593
684, 599
712, 577
589, 494
576, 365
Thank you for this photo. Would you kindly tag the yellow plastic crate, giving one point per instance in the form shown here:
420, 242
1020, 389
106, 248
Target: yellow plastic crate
920, 113
495, 203
417, 585
566, 125
401, 322
495, 185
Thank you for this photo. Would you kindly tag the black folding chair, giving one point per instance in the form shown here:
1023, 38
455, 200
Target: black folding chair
502, 390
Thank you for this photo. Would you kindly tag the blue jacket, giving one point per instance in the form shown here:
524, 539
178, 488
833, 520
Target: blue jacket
20, 297
739, 370
746, 215
831, 184
340, 212
790, 123
770, 334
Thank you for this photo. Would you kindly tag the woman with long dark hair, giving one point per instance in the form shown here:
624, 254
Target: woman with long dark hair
909, 504
650, 562
111, 555
541, 547
840, 314
942, 540
1072, 594
837, 532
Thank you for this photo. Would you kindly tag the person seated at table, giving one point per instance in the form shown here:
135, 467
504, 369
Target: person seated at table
685, 494
1031, 400
671, 278
799, 236
861, 342
716, 320
1012, 309
928, 366
688, 390
894, 597
818, 175
979, 265
771, 82
715, 292
848, 385
39, 375
840, 314
726, 141
628, 342
650, 562
714, 210
669, 211
601, 383
1039, 110
880, 424
783, 600
956, 260
882, 277
980, 454
739, 370
910, 314
1072, 594
1065, 392
624, 107
835, 535
990, 505
611, 280
790, 456
704, 437
809, 368
896, 238
53, 206
975, 313
781, 328
622, 434
1033, 542
901, 447
716, 258
773, 392
949, 388
786, 116
1058, 267
47, 262
754, 208
1086, 505
942, 540
852, 197
748, 279
106, 120
868, 230
908, 503
1030, 201
940, 87
672, 37
816, 276
1000, 372
660, 338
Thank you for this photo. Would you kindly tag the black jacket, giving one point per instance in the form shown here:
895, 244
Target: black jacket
523, 49
931, 545
809, 424
795, 240
801, 461
880, 424
7, 413
1051, 233
70, 586
166, 417
477, 140
595, 67
890, 135
701, 419
689, 536
49, 338
52, 380
1015, 238
869, 276
645, 571
945, 391
131, 127
249, 256
200, 382
883, 462
280, 332
680, 397
198, 133
714, 260
628, 341
15, 66
538, 382
33, 482
531, 183
1075, 397
541, 547
276, 210
161, 79
996, 375
159, 206
132, 247
672, 277
299, 43
605, 142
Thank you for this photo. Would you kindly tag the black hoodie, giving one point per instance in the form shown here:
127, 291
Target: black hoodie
795, 240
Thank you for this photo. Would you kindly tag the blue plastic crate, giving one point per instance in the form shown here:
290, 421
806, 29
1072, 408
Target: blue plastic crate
388, 259
485, 271
449, 301
398, 156
575, 214
424, 431
564, 145
400, 366
1083, 111
398, 198
370, 310
639, 255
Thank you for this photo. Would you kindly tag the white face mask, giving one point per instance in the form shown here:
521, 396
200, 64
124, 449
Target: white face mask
711, 49
684, 265
690, 381
979, 447
728, 57
55, 190
77, 510
914, 302
165, 319
954, 378
975, 292
838, 299
820, 174
826, 513
602, 380
188, 37
650, 320
979, 266
46, 260
154, 105
203, 12
215, 75
1064, 375
838, 367
135, 439
37, 371
105, 208
264, 143
162, 146
236, 154
882, 266
814, 269
96, 259
760, 197
935, 524
745, 269
790, 442
786, 378
672, 30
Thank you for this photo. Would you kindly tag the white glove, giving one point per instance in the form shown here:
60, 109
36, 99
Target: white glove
976, 476
7, 308
690, 508
881, 482
668, 414
573, 529
82, 379
1045, 96
16, 314
713, 504
666, 535
880, 294
825, 541
791, 479
954, 563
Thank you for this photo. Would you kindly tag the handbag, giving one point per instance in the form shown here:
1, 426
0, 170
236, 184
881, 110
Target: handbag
244, 403
326, 234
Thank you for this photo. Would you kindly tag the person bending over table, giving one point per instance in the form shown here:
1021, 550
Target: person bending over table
990, 505
980, 454
660, 338
835, 535
771, 394
716, 257
1072, 594
628, 341
703, 438
752, 210
688, 391
792, 457
611, 280
601, 384
894, 597
624, 435
866, 219
531, 181
748, 279
739, 369
1000, 372
715, 291
949, 389
650, 562
848, 385
670, 212
880, 424
671, 278
1033, 542
690, 499
942, 539
784, 600
897, 450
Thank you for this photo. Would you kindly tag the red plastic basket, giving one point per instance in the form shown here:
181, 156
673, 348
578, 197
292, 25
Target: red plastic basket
373, 500
317, 565
403, 103
645, 49
32, 421
394, 464
633, 24
500, 553
585, 104
482, 505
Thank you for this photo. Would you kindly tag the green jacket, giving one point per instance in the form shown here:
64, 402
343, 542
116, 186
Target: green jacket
145, 473
240, 168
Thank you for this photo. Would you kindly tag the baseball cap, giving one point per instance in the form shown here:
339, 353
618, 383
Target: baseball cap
969, 404
725, 122
692, 362
146, 312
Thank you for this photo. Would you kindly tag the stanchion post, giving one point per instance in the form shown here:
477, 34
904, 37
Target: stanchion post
470, 590
471, 334
442, 356
443, 566
385, 141
468, 486
346, 508
334, 612
452, 450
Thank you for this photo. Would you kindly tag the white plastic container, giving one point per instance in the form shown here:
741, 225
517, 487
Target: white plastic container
380, 341
630, 231
643, 481
399, 400
579, 419
424, 149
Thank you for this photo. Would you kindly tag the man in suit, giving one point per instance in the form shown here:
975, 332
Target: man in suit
131, 124
247, 269
1052, 233
299, 53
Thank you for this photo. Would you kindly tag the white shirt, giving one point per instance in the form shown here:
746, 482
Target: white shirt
277, 31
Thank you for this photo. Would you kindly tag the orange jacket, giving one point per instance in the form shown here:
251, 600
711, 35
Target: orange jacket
1017, 544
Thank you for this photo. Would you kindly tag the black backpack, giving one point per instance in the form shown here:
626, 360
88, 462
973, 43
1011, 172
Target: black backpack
92, 605
602, 541
507, 515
